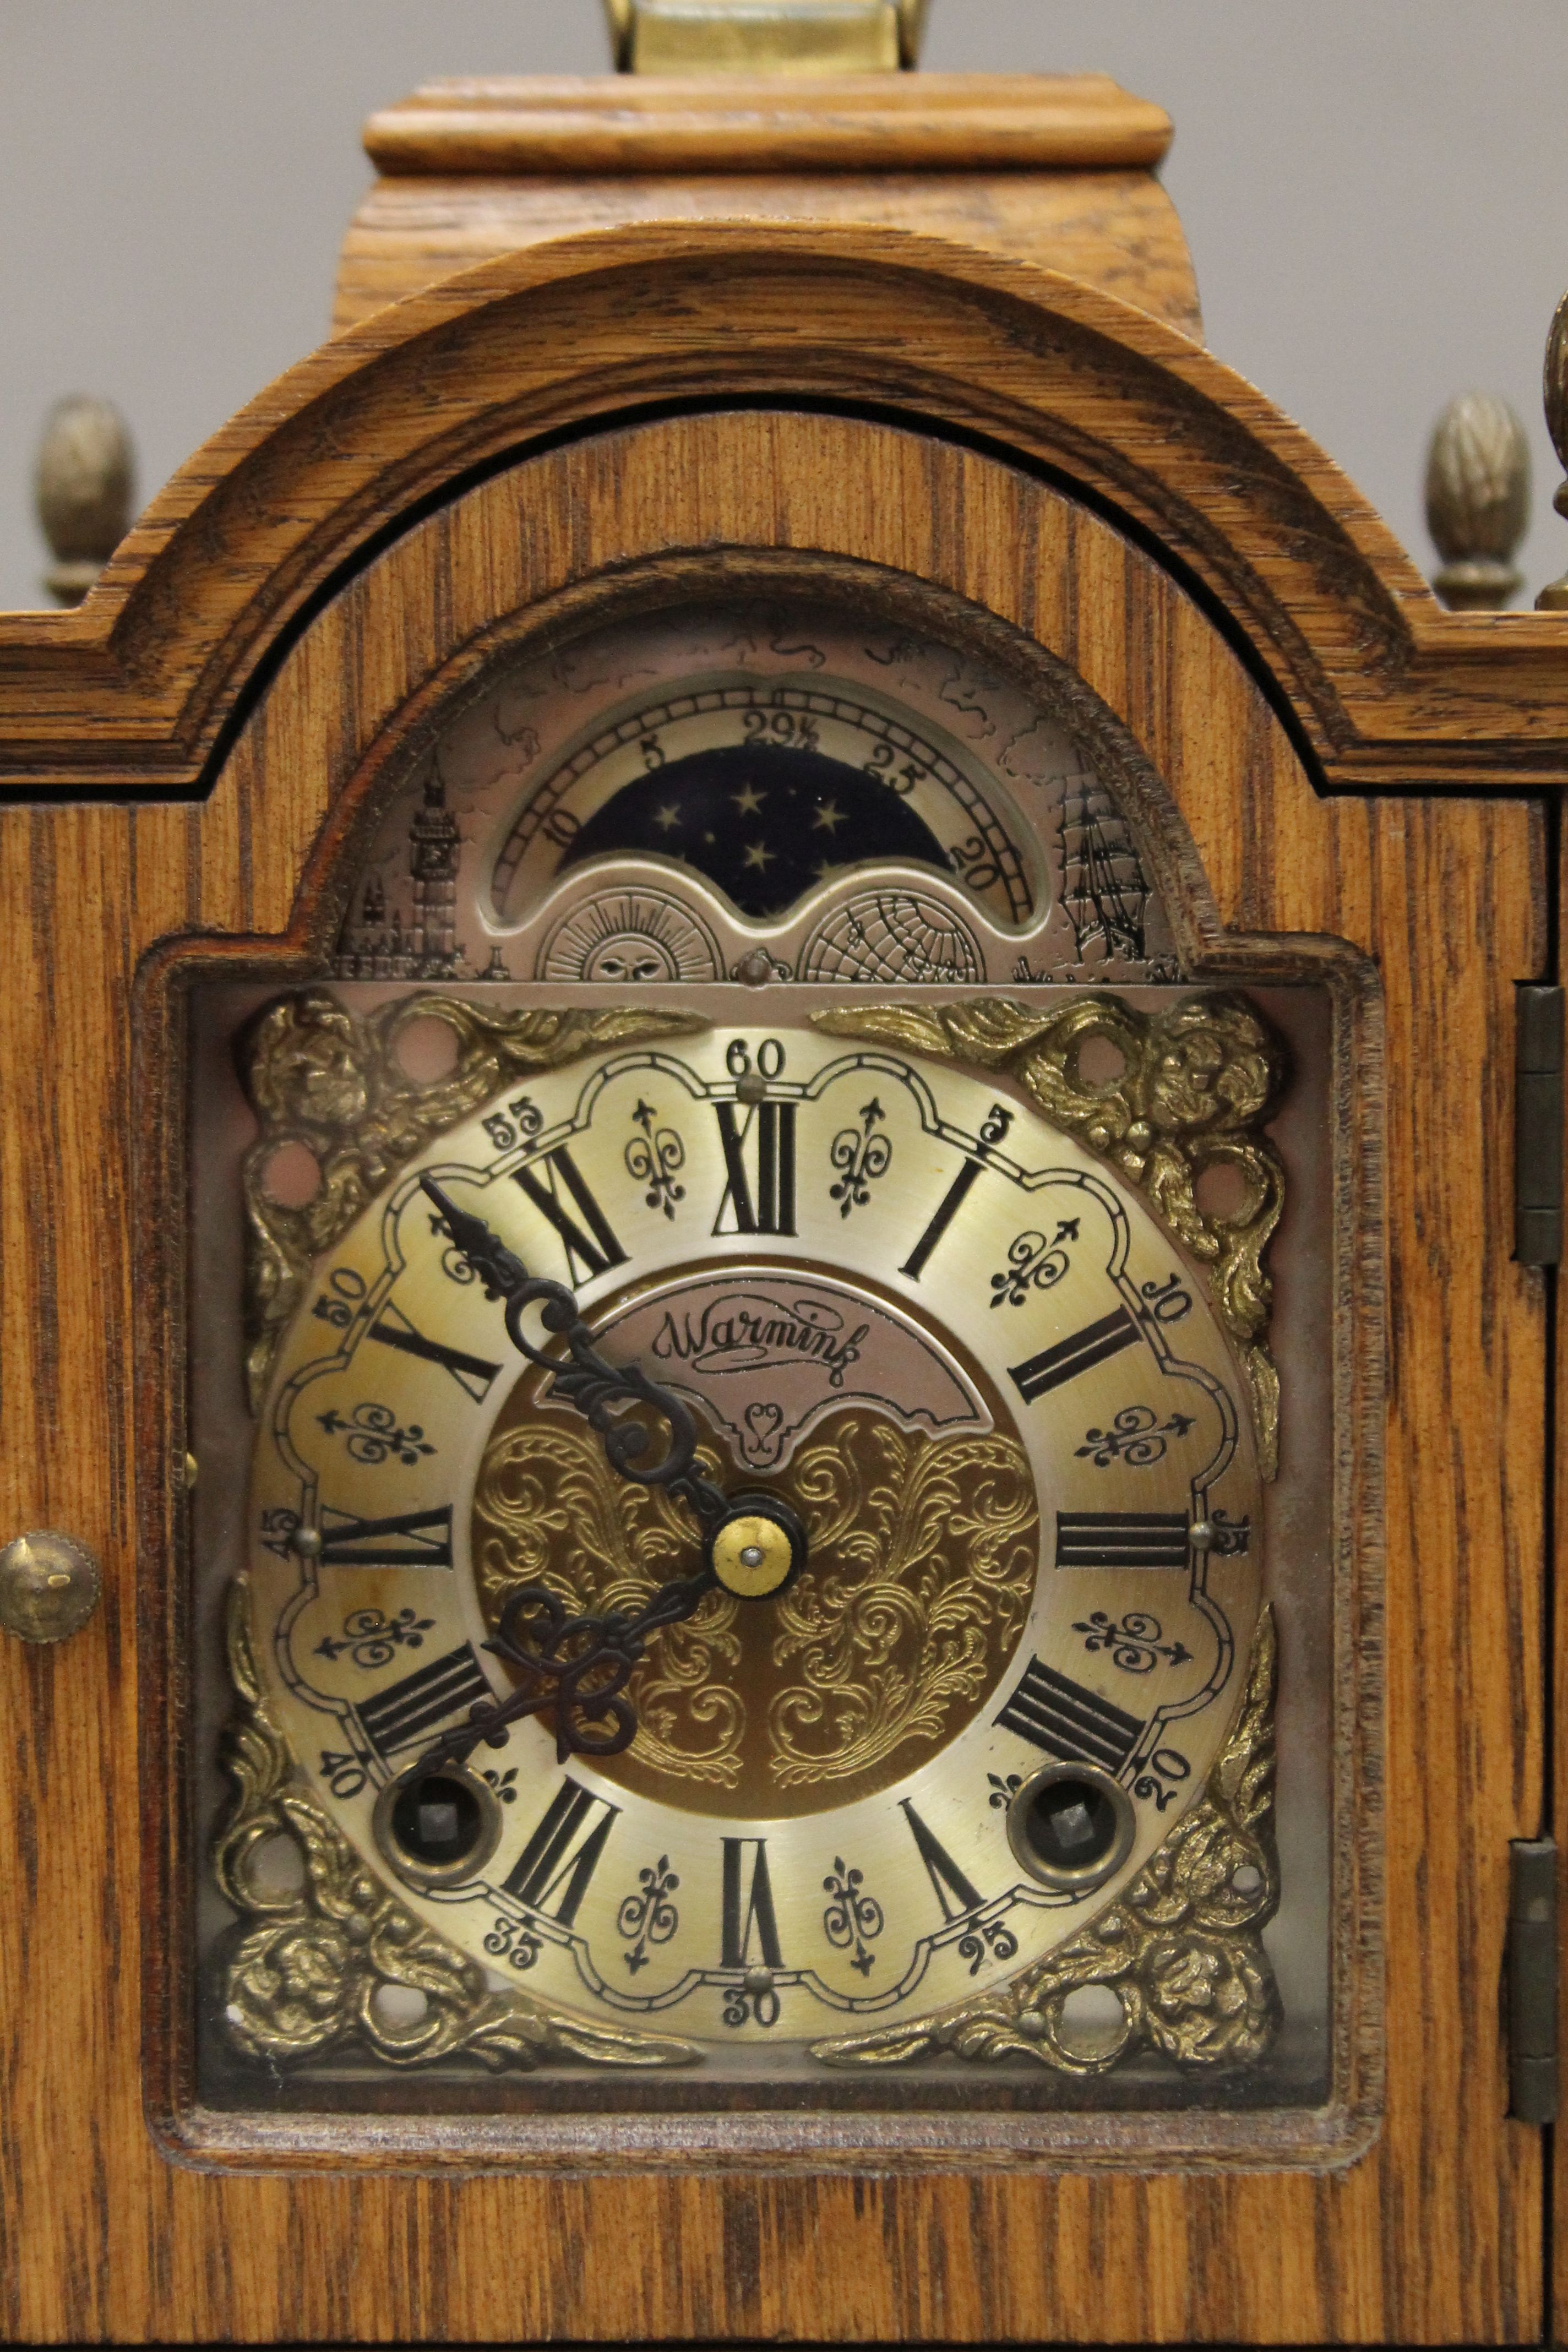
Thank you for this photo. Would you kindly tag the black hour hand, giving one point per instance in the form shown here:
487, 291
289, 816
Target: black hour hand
577, 1665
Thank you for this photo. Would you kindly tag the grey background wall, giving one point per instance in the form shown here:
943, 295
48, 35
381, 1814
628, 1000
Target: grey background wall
1376, 192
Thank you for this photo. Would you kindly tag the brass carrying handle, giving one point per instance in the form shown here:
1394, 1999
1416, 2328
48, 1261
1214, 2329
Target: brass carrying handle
766, 37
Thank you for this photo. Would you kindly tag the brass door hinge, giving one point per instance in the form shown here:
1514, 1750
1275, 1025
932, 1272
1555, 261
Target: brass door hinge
1532, 1981
1538, 1129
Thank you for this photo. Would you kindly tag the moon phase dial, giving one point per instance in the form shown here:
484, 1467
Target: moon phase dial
758, 791
768, 789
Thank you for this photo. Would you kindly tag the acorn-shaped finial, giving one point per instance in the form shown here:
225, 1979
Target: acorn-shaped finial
1554, 387
1478, 502
82, 488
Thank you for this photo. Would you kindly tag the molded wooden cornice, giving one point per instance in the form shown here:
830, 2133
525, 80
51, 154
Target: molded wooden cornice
133, 692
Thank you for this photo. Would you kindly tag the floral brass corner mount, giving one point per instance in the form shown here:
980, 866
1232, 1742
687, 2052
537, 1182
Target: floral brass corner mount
317, 1075
1182, 1949
304, 1971
1196, 1086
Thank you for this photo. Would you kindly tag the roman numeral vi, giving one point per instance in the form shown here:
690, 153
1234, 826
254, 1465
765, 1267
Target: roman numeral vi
749, 1906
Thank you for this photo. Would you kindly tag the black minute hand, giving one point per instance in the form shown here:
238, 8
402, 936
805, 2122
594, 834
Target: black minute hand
580, 1666
585, 1379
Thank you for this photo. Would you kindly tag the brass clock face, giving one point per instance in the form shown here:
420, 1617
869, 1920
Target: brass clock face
894, 1298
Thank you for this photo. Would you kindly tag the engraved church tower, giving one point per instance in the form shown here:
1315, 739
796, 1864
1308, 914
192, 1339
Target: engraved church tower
433, 845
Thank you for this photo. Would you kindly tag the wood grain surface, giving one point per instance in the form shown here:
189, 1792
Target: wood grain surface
1053, 169
1114, 229
769, 122
138, 691
1434, 2232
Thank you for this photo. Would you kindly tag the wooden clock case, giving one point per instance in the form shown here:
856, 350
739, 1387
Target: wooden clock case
1344, 786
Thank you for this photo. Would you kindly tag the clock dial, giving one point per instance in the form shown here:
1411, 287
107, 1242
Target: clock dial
894, 1299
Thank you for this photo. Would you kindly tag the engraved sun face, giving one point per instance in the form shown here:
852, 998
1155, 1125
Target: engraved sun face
638, 937
895, 1299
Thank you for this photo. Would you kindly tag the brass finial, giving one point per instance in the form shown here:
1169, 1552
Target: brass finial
82, 489
1478, 502
765, 36
1554, 598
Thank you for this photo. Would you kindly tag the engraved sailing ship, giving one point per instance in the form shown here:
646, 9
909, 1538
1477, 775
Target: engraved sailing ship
1104, 888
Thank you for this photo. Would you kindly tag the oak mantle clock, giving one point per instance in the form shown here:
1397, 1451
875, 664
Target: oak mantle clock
778, 1453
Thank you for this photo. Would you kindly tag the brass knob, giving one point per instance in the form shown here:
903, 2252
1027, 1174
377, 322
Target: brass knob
49, 1585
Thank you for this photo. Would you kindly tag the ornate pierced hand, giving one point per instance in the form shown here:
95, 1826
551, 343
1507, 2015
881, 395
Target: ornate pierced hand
753, 1545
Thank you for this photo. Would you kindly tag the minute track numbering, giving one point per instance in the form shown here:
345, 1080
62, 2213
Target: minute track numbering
986, 1275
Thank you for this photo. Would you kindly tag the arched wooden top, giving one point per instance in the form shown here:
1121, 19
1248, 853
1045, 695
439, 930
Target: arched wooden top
138, 690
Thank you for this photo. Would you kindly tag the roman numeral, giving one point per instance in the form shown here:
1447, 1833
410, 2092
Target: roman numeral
410, 1712
766, 1206
348, 1542
589, 1253
394, 1329
749, 1906
947, 1208
552, 1871
949, 1884
1069, 1358
1121, 1538
1073, 1725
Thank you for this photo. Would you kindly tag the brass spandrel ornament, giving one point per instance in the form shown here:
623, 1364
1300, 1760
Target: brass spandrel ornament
1182, 1950
305, 1967
323, 1081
